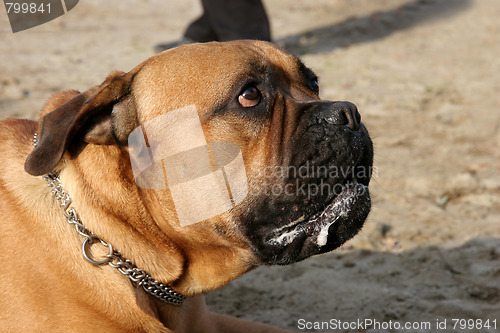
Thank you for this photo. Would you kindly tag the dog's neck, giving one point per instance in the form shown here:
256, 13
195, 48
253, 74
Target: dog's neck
113, 258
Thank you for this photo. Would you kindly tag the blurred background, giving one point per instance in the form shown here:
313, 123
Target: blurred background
425, 77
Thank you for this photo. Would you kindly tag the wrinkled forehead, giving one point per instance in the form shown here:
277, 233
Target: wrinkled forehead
206, 74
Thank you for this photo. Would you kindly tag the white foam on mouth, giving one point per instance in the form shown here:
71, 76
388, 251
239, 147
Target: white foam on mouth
333, 213
288, 237
323, 234
338, 210
285, 238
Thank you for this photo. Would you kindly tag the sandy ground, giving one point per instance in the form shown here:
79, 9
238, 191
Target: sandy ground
425, 76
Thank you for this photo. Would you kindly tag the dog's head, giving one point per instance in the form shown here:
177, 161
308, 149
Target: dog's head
267, 166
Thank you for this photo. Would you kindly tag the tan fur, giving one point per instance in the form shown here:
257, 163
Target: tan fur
47, 286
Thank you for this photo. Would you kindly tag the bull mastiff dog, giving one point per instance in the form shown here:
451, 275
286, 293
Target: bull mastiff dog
127, 202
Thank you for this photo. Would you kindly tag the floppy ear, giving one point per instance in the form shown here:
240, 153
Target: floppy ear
90, 116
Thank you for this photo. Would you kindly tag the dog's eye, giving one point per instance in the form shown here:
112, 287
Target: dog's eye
315, 85
249, 97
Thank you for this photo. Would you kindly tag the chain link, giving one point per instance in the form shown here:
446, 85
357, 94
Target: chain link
114, 259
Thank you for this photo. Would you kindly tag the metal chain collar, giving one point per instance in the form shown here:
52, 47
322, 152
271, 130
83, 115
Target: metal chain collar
137, 276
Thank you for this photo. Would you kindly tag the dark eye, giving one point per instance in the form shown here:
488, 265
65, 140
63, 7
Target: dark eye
249, 97
315, 85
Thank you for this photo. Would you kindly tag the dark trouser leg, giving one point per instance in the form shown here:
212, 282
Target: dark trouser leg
225, 20
201, 30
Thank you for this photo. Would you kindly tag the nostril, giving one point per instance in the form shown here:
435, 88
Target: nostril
353, 116
344, 113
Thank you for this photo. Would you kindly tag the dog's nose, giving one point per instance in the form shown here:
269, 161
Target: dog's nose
342, 113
